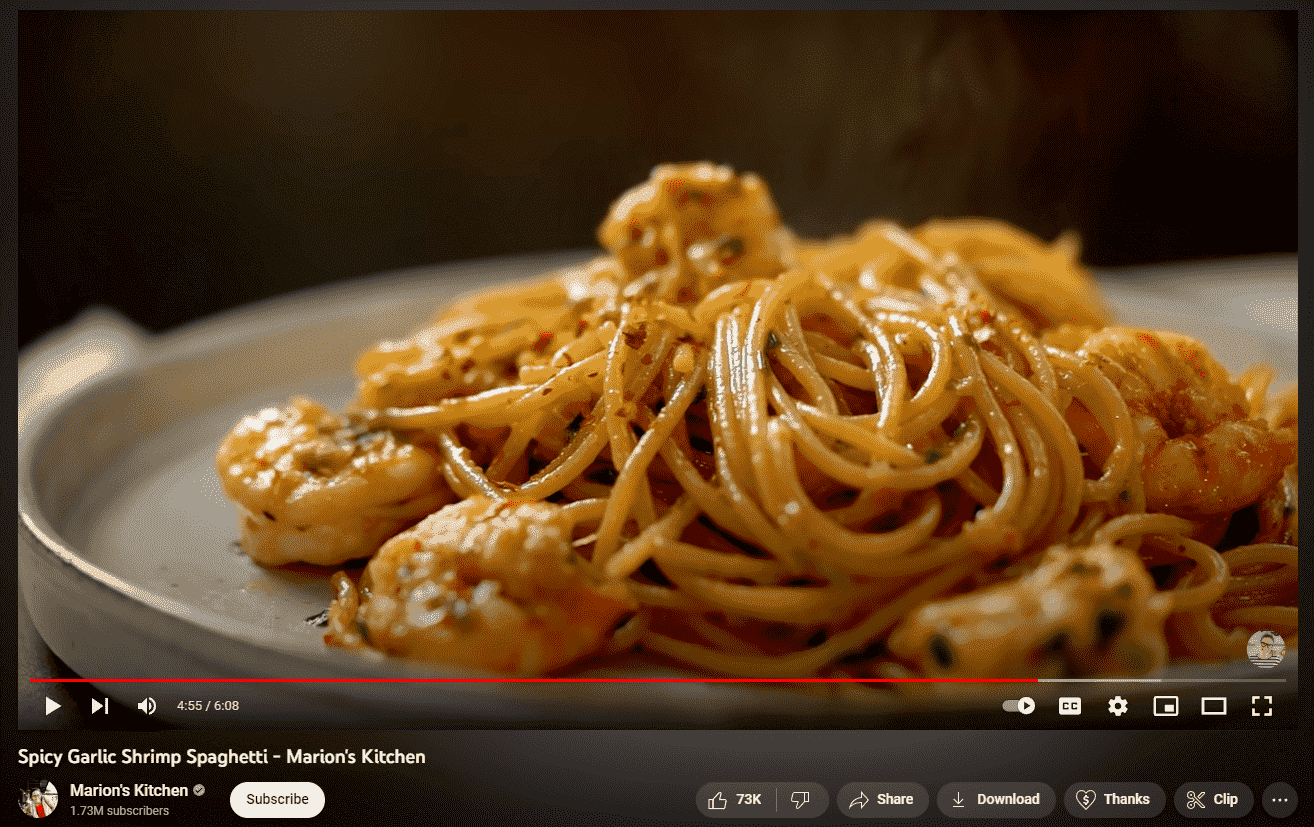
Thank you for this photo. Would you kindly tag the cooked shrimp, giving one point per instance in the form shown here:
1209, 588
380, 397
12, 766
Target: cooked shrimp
319, 490
471, 346
1091, 610
1203, 454
1279, 510
693, 227
482, 584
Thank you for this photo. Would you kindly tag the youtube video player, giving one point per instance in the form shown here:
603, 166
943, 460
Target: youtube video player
631, 418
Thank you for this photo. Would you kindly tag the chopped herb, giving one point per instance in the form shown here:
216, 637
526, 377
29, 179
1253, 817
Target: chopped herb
1124, 496
622, 622
574, 426
730, 250
1108, 623
653, 574
772, 341
934, 455
939, 648
889, 522
634, 338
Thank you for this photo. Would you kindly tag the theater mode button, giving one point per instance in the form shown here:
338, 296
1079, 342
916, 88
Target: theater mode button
996, 799
1116, 799
277, 799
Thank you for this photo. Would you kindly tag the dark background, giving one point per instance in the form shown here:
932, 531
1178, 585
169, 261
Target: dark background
172, 164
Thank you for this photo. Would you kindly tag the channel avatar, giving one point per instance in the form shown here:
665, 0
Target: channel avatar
39, 800
1266, 649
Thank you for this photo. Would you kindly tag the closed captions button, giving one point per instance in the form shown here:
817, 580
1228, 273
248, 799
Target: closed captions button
277, 799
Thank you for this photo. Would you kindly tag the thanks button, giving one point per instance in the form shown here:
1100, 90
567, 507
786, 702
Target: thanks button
277, 799
1100, 799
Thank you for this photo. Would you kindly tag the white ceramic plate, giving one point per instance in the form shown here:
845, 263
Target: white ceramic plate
125, 536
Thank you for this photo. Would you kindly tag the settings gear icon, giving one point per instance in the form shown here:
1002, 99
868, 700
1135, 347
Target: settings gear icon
1118, 705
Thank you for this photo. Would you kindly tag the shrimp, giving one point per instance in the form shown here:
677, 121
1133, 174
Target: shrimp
318, 490
481, 342
1089, 610
691, 228
1203, 454
487, 585
1279, 510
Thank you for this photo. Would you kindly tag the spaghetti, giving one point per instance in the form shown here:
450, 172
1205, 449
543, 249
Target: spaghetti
902, 452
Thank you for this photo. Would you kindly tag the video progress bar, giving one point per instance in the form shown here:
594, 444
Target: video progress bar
1161, 680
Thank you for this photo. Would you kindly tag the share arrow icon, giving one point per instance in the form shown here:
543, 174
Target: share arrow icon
860, 801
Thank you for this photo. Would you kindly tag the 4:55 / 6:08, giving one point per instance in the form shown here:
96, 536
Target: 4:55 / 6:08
208, 706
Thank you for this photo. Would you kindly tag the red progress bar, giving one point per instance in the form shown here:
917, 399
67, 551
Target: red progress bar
534, 680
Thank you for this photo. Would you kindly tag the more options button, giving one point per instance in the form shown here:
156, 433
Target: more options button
996, 799
1105, 799
277, 799
883, 799
1214, 799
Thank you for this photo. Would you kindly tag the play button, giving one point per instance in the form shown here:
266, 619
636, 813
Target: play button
51, 706
1026, 706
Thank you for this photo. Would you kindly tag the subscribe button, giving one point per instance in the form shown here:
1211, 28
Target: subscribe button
277, 799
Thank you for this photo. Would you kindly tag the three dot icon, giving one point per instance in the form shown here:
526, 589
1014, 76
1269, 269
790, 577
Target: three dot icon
1280, 799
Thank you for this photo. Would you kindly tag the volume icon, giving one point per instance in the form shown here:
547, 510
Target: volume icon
147, 706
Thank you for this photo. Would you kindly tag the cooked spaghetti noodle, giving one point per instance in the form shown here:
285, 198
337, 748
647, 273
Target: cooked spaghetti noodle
903, 452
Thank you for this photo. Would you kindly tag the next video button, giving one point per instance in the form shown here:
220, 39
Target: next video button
1117, 799
996, 799
277, 799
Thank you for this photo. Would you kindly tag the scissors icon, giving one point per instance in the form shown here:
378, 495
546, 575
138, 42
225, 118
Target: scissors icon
1193, 801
